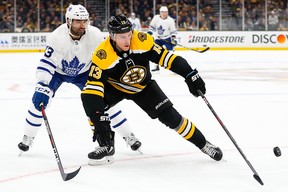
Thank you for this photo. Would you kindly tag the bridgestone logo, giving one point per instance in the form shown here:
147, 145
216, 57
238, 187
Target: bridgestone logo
217, 39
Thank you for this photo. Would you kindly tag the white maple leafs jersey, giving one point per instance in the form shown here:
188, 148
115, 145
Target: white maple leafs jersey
135, 23
67, 56
164, 28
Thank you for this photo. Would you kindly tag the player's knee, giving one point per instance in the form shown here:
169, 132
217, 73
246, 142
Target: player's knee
170, 117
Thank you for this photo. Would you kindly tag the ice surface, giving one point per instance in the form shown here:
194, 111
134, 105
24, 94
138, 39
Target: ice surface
248, 90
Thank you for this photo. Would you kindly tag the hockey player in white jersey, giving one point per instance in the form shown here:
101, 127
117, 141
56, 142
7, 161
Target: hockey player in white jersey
136, 24
67, 58
163, 29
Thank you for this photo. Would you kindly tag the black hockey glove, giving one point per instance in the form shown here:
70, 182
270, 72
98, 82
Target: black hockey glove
195, 82
102, 128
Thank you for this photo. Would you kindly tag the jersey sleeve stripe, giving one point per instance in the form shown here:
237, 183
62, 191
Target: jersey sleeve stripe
44, 69
163, 57
171, 59
93, 92
95, 83
166, 59
92, 87
48, 63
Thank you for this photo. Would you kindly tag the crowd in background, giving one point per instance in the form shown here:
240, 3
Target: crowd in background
188, 15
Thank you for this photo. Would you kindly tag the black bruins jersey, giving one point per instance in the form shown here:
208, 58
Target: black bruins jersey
129, 72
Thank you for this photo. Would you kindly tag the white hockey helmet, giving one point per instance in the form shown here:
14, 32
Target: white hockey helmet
78, 12
163, 8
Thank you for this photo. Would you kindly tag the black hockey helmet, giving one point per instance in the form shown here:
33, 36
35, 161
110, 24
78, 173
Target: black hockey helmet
119, 24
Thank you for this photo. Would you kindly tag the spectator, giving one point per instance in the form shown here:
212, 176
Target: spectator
146, 23
260, 24
55, 23
98, 23
273, 21
204, 26
135, 22
47, 28
188, 24
19, 24
26, 28
8, 24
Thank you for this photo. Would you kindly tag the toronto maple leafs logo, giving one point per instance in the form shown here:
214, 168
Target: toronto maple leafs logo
73, 67
160, 30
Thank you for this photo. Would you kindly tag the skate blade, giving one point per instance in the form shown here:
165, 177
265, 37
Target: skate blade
20, 153
103, 161
140, 151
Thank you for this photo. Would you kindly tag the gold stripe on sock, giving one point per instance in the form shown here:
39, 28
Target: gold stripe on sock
183, 126
191, 132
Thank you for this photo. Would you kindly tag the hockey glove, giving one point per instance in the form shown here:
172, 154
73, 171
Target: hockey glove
195, 82
41, 95
150, 32
102, 128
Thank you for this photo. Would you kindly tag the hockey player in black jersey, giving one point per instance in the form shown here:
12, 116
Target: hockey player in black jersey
120, 70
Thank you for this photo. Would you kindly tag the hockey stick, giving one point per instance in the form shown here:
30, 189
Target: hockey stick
65, 176
256, 176
192, 49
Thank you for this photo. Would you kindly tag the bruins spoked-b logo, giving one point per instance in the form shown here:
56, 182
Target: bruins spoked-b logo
101, 54
134, 75
142, 36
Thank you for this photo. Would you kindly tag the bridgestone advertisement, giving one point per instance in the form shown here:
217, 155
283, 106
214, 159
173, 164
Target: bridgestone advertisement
216, 40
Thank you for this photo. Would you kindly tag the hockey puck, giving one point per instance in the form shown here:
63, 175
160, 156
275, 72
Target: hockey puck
277, 151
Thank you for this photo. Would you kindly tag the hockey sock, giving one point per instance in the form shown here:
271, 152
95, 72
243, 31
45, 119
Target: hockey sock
119, 122
189, 132
33, 122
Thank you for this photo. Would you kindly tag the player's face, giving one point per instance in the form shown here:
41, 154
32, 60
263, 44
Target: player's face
123, 40
163, 14
78, 27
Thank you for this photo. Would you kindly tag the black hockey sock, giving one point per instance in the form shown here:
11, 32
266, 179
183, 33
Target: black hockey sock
189, 132
198, 139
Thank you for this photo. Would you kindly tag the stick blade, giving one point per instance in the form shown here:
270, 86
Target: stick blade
204, 50
71, 175
258, 179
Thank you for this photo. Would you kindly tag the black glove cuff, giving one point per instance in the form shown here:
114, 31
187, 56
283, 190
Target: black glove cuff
192, 73
99, 117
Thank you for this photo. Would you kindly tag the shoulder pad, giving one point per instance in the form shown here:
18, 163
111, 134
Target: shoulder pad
141, 42
104, 56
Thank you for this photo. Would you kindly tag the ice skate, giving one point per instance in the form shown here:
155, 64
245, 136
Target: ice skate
101, 155
25, 144
133, 142
213, 151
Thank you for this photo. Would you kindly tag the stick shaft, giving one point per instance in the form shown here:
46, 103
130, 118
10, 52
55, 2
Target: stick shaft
64, 175
256, 176
189, 48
